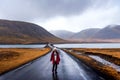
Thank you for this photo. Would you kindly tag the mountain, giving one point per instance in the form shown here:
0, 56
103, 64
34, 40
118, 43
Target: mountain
85, 34
63, 34
109, 32
17, 32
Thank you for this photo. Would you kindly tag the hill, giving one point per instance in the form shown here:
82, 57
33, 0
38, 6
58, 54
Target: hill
85, 34
109, 32
17, 32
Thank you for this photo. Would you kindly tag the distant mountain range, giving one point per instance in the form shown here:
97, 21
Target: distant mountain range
16, 32
62, 34
110, 33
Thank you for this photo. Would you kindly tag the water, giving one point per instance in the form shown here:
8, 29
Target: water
90, 45
22, 46
105, 62
85, 45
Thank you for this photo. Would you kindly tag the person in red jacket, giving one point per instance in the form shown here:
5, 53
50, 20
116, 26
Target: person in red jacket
55, 58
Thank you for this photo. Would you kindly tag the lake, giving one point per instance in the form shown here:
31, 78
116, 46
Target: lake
90, 45
83, 45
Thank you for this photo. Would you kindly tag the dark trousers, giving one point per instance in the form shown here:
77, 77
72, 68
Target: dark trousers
55, 76
54, 67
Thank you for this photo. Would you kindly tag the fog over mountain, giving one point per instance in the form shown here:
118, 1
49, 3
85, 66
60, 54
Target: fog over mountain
63, 34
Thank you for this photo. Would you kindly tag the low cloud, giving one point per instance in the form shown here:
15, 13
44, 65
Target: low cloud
34, 9
92, 18
62, 14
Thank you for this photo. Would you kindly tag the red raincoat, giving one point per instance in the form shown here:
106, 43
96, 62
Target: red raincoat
52, 57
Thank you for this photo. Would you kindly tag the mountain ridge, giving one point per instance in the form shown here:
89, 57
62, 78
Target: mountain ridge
18, 32
87, 33
110, 33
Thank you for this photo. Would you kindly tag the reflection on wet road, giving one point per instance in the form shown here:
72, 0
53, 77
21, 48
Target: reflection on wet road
55, 76
69, 68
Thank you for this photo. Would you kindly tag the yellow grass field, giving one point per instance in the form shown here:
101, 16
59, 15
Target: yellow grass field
12, 58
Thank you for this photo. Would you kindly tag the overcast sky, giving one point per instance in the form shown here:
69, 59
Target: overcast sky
72, 15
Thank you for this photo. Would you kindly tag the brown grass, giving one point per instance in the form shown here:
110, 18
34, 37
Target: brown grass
13, 58
112, 55
108, 72
112, 52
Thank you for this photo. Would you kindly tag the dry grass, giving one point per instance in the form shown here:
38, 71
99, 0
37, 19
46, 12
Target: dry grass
108, 72
13, 58
112, 52
112, 55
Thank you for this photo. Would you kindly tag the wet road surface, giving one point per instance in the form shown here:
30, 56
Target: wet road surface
69, 68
